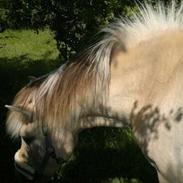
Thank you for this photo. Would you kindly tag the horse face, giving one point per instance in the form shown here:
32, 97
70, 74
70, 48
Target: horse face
33, 158
30, 159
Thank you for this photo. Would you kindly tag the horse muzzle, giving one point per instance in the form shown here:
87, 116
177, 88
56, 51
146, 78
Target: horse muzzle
26, 172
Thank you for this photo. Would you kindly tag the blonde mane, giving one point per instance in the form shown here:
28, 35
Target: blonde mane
80, 86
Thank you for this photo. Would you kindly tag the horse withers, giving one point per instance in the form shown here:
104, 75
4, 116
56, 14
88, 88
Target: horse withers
132, 76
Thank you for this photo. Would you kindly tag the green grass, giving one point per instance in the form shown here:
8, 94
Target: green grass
28, 43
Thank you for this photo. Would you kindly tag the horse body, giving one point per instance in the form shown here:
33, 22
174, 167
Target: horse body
150, 93
131, 77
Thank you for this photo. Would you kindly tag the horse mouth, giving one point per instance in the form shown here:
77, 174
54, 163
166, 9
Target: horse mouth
27, 171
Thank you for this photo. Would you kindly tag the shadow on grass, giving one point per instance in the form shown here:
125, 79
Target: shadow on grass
105, 154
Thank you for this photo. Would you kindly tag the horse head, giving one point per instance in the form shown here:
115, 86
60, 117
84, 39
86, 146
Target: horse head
36, 155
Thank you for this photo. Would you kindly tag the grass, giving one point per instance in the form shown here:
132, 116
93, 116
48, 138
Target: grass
35, 46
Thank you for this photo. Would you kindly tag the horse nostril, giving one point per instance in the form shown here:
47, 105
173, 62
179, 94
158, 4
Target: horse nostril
21, 165
24, 173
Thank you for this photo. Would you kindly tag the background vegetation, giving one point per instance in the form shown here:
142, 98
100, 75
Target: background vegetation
38, 36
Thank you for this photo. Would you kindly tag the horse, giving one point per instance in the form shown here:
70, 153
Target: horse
131, 77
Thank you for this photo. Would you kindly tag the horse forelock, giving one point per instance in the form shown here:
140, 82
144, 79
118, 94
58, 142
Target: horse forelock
24, 99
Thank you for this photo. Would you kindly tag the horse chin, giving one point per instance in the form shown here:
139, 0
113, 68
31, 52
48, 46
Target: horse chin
22, 167
24, 172
50, 168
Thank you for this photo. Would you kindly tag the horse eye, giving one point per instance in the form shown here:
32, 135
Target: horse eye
28, 140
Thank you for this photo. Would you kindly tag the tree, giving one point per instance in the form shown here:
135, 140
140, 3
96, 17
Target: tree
74, 22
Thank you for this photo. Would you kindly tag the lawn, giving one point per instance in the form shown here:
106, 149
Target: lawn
28, 43
24, 53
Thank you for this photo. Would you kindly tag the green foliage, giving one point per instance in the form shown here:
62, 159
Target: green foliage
74, 21
29, 44
107, 155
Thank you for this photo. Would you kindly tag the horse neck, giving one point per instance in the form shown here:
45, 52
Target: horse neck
128, 71
116, 111
140, 76
137, 77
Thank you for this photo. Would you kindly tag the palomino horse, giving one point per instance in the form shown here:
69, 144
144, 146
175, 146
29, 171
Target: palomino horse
132, 76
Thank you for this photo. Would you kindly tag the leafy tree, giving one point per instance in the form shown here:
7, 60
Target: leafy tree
74, 22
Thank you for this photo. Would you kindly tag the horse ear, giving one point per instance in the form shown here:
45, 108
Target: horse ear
24, 112
32, 78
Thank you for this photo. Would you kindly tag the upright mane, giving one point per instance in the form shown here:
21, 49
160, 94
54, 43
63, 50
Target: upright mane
79, 86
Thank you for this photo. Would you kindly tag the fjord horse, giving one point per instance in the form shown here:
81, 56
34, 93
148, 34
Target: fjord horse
132, 76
